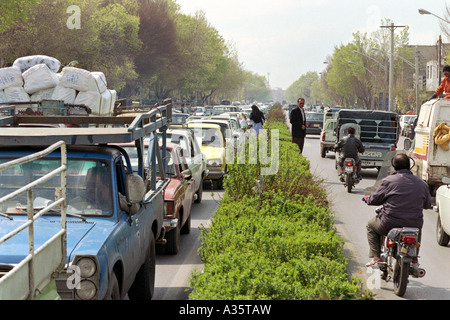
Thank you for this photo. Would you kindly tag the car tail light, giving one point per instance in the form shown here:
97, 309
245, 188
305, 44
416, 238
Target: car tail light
409, 239
393, 148
323, 137
170, 207
307, 124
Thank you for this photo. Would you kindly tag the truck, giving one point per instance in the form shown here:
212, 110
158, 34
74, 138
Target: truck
33, 277
432, 160
379, 131
114, 213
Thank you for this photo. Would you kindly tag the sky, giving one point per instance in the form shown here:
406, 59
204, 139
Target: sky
284, 39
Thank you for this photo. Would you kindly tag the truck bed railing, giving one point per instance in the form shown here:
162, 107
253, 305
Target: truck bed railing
29, 277
375, 131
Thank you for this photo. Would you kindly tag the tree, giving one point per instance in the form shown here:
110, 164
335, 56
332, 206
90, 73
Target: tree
13, 12
302, 87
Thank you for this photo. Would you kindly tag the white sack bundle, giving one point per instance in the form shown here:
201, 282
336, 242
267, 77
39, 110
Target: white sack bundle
44, 94
26, 63
2, 96
39, 77
91, 99
83, 80
67, 95
16, 94
10, 77
97, 81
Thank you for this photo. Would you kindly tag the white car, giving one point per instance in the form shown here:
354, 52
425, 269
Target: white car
442, 207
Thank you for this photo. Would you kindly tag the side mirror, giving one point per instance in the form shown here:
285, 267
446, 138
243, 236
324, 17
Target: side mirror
134, 194
134, 188
186, 174
407, 144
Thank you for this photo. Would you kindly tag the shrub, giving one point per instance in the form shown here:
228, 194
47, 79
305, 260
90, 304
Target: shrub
276, 241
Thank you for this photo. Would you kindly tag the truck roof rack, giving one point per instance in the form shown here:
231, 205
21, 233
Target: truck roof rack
93, 128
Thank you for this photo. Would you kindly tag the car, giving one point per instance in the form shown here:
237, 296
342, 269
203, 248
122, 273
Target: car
407, 127
178, 197
314, 122
179, 194
442, 207
213, 145
404, 121
229, 131
179, 117
328, 137
224, 108
182, 135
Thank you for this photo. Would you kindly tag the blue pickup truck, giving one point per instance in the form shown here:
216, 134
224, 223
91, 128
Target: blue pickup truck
113, 218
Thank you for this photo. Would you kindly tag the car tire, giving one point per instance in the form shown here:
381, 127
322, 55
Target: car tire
441, 237
199, 192
144, 284
173, 239
113, 292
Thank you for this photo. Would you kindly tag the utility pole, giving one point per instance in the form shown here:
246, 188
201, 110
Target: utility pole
391, 63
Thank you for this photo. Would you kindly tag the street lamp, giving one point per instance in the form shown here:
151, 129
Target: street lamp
423, 11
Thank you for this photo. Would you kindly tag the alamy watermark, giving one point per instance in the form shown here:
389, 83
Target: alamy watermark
74, 21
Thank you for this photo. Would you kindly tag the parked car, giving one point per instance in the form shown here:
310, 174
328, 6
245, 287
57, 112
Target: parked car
314, 122
213, 146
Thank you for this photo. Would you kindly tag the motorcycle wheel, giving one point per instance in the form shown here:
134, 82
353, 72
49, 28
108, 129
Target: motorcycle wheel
400, 277
348, 182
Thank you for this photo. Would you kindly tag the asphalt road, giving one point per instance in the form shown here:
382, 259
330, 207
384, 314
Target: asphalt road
351, 216
173, 271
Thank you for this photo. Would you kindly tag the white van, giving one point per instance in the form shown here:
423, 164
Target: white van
431, 161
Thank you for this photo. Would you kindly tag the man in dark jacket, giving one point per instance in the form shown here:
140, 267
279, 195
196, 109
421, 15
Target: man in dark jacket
297, 119
350, 147
403, 196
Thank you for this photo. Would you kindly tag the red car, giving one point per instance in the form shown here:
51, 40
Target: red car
178, 197
179, 194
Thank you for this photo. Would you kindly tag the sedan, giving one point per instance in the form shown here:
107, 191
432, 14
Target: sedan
314, 122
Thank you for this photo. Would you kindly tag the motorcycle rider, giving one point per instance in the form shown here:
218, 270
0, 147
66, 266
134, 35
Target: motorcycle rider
350, 147
403, 196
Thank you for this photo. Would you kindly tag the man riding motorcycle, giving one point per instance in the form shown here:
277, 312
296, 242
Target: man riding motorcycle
403, 196
350, 147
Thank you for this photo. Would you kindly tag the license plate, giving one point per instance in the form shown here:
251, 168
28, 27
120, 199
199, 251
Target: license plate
368, 163
316, 125
348, 169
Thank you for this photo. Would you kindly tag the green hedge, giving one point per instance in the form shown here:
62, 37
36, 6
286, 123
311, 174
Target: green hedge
275, 243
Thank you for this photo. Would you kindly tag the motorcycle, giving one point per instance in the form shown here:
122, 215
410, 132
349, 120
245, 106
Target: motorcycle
399, 248
349, 174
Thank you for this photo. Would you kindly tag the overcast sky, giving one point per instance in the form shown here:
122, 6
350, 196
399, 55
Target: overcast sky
283, 39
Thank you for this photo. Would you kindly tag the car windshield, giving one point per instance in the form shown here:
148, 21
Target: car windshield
88, 189
314, 116
170, 165
210, 137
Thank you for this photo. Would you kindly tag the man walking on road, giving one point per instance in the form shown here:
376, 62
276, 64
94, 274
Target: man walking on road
297, 119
